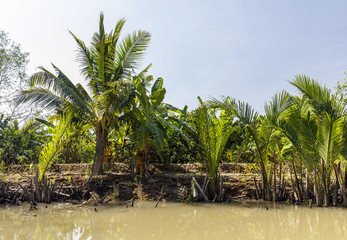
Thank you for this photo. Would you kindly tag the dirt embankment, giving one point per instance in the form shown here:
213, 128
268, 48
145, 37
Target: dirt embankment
67, 182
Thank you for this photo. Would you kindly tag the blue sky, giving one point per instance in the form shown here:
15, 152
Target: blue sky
247, 50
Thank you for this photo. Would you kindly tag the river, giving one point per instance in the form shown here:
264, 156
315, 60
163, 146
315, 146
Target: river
173, 221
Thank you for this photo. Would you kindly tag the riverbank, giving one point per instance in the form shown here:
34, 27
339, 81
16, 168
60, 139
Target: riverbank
66, 182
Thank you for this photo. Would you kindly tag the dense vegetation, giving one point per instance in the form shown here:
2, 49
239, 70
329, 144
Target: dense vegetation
122, 117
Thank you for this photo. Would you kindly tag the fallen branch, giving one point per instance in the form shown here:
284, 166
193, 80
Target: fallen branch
202, 192
161, 195
62, 194
28, 194
130, 201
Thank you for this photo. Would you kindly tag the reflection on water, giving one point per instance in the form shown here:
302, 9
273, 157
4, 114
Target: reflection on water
173, 221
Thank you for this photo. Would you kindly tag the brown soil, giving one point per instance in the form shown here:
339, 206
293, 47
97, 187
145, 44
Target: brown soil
119, 183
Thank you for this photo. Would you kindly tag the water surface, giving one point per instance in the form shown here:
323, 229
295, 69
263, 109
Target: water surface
173, 221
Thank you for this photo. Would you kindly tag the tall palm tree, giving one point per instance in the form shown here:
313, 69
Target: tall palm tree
107, 66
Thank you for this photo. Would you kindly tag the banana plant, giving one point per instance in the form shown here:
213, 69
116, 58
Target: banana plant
150, 119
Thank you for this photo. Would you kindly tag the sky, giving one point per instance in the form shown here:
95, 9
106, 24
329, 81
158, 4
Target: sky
245, 49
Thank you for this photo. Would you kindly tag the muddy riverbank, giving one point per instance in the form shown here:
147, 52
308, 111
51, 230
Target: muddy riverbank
170, 182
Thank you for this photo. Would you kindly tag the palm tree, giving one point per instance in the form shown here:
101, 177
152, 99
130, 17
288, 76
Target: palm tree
330, 123
213, 130
107, 66
260, 128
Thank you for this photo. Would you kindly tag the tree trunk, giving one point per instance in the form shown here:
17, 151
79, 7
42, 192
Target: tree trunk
307, 186
280, 182
74, 158
316, 190
142, 157
265, 182
274, 194
297, 183
101, 142
325, 187
341, 184
67, 156
293, 187
335, 192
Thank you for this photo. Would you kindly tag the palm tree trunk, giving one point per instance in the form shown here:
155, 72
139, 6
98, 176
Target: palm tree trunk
67, 156
101, 142
265, 182
297, 182
325, 187
341, 184
274, 194
307, 186
316, 190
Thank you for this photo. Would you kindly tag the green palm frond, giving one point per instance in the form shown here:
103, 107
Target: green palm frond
319, 95
51, 91
130, 53
41, 96
279, 103
52, 149
213, 134
330, 138
86, 59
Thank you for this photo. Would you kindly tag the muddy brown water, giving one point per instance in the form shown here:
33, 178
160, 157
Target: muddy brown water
173, 221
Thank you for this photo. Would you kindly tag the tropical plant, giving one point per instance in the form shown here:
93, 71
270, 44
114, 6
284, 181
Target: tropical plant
52, 148
20, 144
151, 119
330, 123
213, 130
107, 66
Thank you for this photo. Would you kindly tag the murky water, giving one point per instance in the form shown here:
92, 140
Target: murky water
173, 221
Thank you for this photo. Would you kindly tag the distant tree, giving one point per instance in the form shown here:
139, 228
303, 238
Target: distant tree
13, 64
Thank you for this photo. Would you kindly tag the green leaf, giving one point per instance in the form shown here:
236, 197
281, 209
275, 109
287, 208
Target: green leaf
157, 85
157, 97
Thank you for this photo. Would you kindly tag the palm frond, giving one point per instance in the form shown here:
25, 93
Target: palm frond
130, 53
52, 149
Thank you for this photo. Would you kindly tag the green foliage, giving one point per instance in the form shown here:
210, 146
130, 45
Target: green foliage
108, 65
20, 144
213, 133
52, 149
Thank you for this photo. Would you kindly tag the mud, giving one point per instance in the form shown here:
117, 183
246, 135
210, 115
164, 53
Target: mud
120, 183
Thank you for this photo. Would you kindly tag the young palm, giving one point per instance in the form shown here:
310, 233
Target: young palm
107, 65
213, 132
330, 121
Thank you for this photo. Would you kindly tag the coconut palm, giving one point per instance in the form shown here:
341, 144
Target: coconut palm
107, 66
